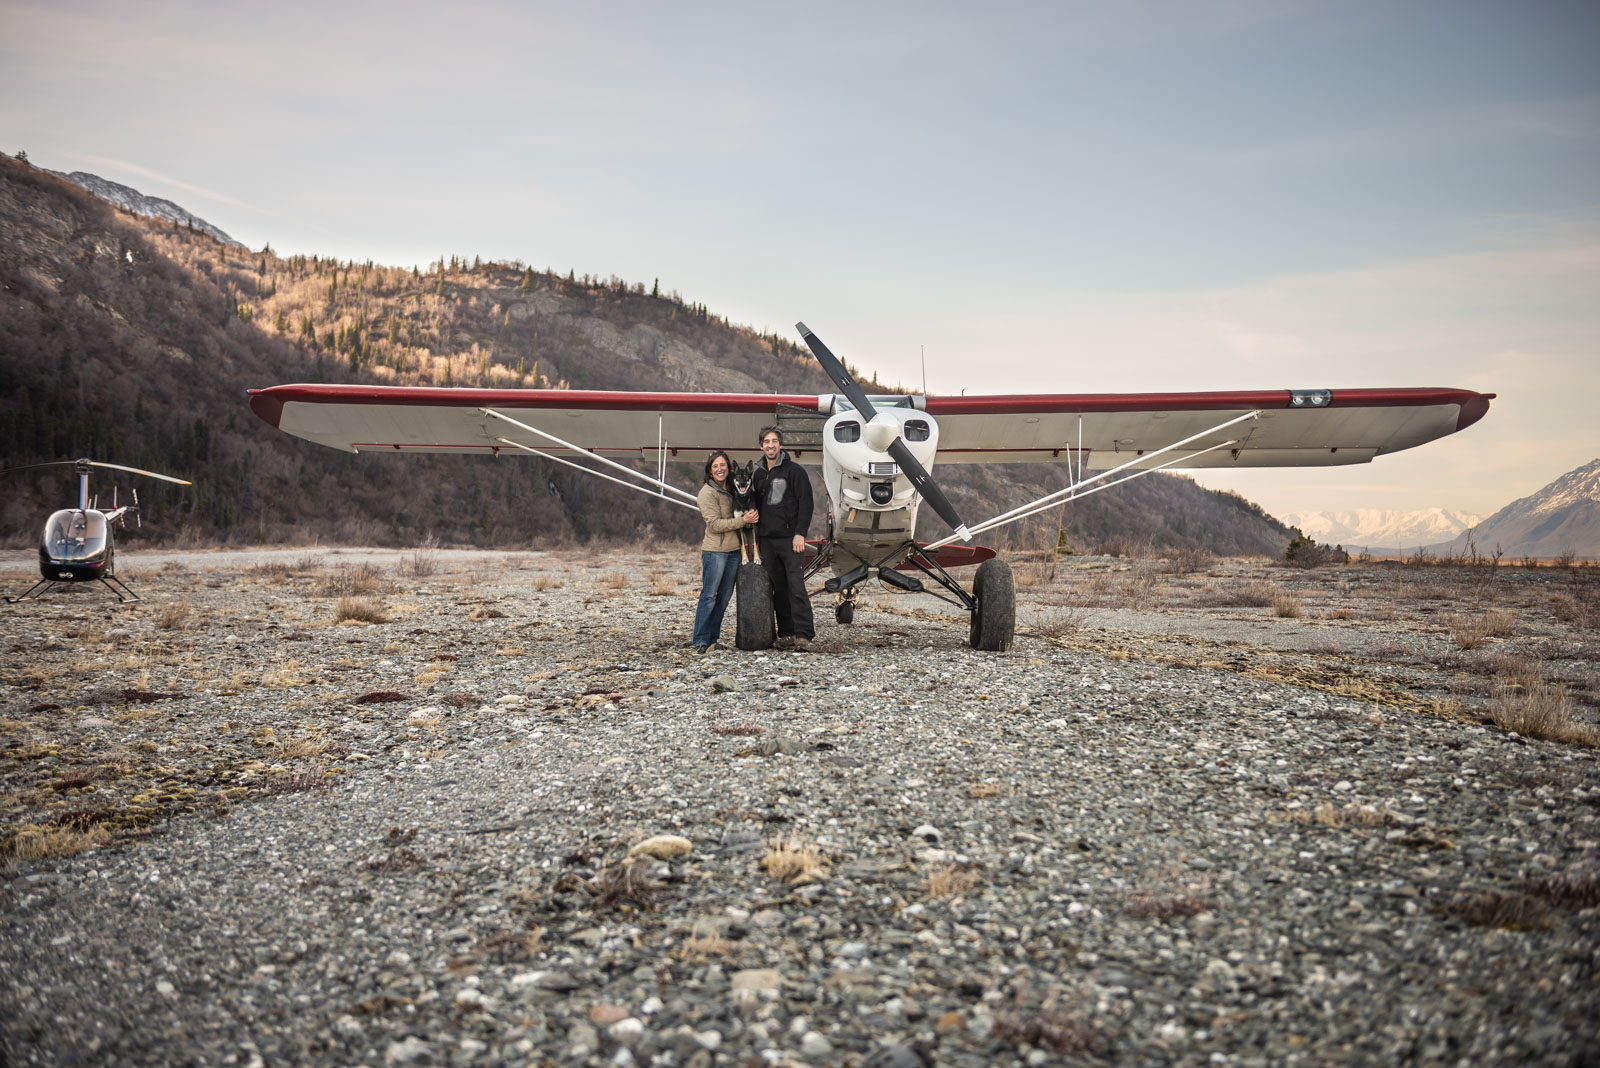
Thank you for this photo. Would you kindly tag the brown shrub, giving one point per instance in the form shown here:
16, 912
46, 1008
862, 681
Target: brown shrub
1233, 595
795, 862
1285, 605
1188, 561
947, 881
421, 561
173, 614
1534, 707
360, 610
348, 581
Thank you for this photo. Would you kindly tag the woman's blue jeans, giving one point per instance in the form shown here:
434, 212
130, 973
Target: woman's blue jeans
717, 574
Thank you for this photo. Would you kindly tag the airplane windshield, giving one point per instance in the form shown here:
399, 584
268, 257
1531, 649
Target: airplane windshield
841, 403
75, 535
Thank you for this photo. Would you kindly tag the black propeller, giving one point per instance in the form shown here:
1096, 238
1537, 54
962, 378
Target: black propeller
920, 479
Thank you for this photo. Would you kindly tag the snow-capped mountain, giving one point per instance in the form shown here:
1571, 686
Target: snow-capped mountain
1371, 527
1561, 519
130, 199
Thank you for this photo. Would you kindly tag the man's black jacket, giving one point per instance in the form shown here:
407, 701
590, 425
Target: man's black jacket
782, 495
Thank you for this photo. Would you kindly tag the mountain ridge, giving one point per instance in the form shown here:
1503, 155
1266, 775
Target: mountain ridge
1382, 526
132, 340
130, 199
1561, 520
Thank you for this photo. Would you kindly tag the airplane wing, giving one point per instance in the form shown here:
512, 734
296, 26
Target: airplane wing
1297, 428
425, 419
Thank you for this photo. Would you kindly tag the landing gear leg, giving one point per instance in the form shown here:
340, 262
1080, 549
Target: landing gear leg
845, 611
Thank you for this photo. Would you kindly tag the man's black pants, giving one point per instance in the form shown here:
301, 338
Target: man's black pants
789, 598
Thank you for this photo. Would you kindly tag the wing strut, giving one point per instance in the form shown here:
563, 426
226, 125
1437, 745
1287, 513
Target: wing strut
591, 471
688, 500
1026, 510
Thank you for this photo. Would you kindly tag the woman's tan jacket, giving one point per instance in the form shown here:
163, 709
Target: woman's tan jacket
722, 526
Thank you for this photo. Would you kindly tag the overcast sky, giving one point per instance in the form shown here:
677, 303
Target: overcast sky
1053, 197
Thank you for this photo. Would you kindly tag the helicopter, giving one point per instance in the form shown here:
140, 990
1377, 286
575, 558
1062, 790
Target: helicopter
77, 544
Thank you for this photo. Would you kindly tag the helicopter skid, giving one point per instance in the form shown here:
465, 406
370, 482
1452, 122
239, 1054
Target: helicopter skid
111, 582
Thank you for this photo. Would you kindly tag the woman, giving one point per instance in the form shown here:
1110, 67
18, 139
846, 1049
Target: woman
719, 551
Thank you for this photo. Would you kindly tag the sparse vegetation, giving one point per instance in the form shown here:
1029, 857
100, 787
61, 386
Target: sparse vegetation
794, 861
423, 561
360, 610
948, 880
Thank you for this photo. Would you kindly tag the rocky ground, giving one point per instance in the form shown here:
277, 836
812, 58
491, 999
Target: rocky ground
1202, 812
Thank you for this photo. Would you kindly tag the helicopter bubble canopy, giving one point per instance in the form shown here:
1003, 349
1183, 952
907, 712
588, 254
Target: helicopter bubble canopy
72, 534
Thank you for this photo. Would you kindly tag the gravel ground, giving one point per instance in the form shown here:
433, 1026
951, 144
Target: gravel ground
517, 822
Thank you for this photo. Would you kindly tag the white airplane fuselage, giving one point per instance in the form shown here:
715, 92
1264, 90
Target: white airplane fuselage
872, 503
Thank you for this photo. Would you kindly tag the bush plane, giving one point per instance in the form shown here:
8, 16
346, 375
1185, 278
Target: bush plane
77, 544
876, 453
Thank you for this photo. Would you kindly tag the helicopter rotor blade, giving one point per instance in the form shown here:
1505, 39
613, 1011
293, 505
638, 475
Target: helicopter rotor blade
141, 471
34, 467
96, 463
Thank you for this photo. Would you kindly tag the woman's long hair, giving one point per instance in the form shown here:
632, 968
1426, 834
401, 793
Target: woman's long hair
713, 459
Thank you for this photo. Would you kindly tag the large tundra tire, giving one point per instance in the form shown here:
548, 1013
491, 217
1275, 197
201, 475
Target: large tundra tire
756, 627
994, 619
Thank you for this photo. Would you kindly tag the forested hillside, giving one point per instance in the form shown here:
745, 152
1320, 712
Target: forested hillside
133, 341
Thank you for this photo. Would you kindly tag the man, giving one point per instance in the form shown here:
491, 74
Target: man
781, 493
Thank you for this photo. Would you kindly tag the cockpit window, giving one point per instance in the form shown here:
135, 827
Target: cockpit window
847, 430
915, 430
74, 535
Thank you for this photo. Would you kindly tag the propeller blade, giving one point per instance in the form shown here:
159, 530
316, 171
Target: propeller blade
139, 471
836, 372
928, 488
921, 481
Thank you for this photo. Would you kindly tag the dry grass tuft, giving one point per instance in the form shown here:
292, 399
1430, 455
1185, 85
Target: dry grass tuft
348, 581
31, 842
1188, 561
422, 561
700, 947
628, 883
795, 862
1286, 605
1256, 594
663, 585
295, 782
1471, 632
947, 880
545, 581
1061, 621
173, 615
1569, 890
1532, 706
360, 610
614, 580
1499, 908
1169, 895
1050, 1028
